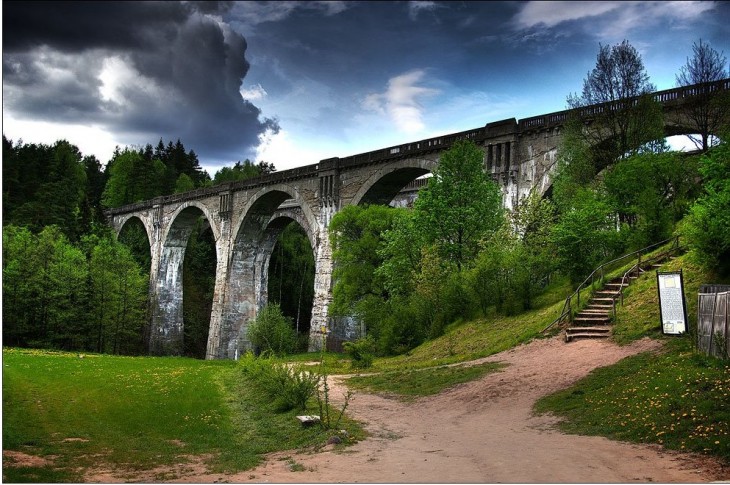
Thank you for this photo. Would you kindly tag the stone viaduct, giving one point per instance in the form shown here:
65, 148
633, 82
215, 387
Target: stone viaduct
246, 218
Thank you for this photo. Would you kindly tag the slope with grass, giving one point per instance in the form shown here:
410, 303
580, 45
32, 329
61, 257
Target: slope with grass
677, 398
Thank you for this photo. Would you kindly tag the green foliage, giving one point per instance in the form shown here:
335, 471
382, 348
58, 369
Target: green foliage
708, 226
134, 236
271, 331
117, 299
132, 178
288, 386
143, 174
585, 233
395, 323
515, 263
615, 133
400, 253
400, 271
361, 352
650, 192
707, 110
460, 205
242, 171
57, 296
184, 183
291, 277
44, 289
46, 185
356, 235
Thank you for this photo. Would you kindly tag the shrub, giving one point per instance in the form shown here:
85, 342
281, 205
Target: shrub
273, 332
361, 352
289, 386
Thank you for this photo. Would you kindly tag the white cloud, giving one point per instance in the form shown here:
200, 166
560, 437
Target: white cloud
617, 18
400, 101
551, 14
285, 152
118, 78
254, 92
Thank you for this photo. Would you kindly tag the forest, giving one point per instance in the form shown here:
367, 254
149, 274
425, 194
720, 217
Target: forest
406, 274
69, 284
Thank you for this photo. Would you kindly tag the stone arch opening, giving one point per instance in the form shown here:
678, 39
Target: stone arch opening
167, 336
266, 216
288, 267
385, 184
199, 271
133, 234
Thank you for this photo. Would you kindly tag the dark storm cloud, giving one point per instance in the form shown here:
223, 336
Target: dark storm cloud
142, 69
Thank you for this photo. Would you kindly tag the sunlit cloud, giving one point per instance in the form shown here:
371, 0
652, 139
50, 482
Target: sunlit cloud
611, 20
253, 93
400, 101
551, 14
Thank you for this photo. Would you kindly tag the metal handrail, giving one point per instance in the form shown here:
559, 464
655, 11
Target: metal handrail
568, 305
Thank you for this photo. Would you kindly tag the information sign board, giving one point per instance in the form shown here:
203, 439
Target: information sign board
672, 307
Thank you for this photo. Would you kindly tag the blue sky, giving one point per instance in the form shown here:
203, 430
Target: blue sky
295, 82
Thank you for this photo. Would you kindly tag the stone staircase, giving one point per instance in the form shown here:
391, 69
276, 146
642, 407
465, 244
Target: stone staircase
595, 320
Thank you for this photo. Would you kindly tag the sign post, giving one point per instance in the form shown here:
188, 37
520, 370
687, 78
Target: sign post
672, 307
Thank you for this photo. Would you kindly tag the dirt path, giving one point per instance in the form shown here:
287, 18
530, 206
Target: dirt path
482, 431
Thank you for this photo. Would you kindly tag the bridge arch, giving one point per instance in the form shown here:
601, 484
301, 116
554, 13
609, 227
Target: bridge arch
184, 217
246, 285
122, 221
384, 183
167, 332
280, 221
266, 201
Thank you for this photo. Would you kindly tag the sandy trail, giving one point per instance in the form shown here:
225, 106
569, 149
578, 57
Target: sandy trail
482, 431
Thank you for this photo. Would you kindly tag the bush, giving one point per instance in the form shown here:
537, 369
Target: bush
289, 386
273, 332
361, 352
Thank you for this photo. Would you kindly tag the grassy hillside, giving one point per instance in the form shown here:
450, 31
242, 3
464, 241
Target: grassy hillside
677, 398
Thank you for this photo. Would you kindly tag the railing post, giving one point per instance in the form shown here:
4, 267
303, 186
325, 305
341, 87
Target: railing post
570, 311
613, 302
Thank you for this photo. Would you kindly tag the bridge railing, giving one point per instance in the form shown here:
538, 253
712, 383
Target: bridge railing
425, 146
667, 96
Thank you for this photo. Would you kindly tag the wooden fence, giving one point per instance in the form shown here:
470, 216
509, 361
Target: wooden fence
713, 323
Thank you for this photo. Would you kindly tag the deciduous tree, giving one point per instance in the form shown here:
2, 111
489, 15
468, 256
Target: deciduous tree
627, 117
708, 109
460, 205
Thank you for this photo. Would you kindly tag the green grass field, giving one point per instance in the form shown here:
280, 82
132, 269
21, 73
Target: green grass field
137, 413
